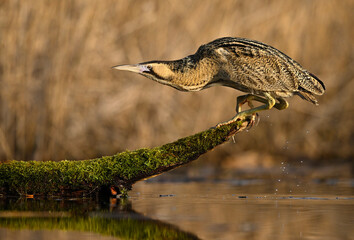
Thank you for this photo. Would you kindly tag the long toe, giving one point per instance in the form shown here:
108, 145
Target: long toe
234, 119
254, 121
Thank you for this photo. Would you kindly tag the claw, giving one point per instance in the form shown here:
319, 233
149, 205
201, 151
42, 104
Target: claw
234, 119
254, 121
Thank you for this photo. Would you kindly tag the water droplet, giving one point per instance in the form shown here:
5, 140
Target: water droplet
278, 180
308, 131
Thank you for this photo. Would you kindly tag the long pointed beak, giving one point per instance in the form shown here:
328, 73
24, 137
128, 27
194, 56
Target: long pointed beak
132, 68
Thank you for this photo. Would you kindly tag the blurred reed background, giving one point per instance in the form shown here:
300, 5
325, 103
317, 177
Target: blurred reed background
60, 99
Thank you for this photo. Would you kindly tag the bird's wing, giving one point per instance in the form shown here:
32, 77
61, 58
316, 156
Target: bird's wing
263, 68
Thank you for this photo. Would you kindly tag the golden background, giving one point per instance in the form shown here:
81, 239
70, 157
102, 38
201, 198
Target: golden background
60, 99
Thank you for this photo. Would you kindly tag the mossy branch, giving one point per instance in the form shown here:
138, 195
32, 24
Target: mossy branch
85, 177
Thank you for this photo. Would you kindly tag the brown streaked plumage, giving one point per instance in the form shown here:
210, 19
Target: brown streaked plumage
265, 73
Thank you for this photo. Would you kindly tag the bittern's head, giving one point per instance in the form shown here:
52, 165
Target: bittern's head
159, 71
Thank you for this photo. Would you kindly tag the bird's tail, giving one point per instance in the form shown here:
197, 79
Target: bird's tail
310, 87
312, 84
307, 96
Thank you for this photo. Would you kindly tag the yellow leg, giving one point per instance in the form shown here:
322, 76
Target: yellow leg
282, 104
248, 98
268, 100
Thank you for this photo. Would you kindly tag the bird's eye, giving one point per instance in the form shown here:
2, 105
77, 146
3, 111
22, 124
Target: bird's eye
145, 68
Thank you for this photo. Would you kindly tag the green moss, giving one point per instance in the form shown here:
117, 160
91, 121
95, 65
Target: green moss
85, 177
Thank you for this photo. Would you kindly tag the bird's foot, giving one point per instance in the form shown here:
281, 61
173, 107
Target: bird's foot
254, 119
225, 123
234, 119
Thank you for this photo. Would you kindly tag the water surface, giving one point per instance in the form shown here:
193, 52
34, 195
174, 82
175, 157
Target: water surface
228, 209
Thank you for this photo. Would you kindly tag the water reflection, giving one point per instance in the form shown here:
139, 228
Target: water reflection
115, 218
234, 209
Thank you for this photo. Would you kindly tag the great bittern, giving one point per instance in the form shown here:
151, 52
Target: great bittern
265, 73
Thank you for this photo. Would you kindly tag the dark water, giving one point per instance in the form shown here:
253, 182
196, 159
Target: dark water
230, 209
